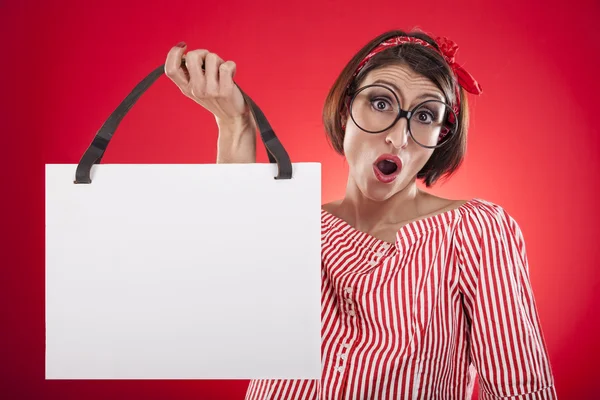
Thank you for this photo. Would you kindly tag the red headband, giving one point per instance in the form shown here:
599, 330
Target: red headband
447, 49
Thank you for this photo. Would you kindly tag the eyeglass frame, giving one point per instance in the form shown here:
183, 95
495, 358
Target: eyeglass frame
403, 113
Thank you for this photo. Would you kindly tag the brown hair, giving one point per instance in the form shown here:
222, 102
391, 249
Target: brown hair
446, 159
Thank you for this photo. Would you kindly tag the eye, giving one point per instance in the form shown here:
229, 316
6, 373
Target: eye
381, 104
425, 116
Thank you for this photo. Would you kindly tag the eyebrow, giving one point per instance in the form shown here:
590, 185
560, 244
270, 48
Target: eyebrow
437, 96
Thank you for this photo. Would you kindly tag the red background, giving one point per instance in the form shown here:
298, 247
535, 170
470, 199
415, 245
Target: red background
533, 145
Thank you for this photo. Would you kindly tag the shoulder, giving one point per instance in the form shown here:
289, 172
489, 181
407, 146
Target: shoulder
329, 213
329, 216
485, 221
331, 206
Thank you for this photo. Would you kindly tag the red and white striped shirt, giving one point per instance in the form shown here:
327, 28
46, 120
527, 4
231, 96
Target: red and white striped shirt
420, 318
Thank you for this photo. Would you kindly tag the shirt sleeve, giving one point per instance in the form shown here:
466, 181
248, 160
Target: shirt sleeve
507, 346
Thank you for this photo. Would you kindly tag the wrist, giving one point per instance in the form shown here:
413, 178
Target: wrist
238, 125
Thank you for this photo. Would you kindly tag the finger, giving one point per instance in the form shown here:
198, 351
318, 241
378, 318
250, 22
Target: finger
226, 74
173, 67
194, 61
211, 73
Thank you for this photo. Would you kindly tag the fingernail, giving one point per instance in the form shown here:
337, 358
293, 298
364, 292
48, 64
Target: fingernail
181, 44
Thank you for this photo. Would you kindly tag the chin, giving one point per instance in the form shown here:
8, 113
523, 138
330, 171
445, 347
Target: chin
375, 190
378, 195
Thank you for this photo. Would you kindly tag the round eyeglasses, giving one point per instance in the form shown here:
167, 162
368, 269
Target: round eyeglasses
376, 108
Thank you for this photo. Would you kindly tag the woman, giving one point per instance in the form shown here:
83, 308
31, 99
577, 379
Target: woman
419, 293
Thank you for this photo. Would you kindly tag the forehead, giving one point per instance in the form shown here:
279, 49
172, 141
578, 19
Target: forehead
408, 81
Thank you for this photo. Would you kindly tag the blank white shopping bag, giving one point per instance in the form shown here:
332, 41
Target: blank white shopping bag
183, 271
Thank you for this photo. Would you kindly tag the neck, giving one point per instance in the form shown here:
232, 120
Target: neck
367, 214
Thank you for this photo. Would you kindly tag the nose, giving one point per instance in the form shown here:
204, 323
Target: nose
398, 134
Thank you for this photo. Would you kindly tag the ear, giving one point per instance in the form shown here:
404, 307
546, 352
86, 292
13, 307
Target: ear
344, 121
445, 131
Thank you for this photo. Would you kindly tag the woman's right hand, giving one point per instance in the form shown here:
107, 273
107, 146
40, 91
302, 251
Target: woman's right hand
212, 86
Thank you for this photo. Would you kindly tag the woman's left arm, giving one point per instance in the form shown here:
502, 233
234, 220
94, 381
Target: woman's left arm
507, 344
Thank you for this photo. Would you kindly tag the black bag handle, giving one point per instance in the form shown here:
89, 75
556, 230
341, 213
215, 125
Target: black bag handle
93, 154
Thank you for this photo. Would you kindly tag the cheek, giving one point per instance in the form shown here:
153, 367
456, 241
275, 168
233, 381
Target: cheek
419, 157
356, 146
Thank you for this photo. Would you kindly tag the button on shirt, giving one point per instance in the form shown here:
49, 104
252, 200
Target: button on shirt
418, 319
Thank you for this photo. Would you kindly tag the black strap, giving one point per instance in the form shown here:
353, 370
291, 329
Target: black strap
93, 155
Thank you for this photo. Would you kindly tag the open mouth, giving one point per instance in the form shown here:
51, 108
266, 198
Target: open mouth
387, 167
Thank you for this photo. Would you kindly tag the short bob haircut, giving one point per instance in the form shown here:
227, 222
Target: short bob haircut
446, 159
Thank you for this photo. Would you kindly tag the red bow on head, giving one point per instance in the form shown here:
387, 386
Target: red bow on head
448, 49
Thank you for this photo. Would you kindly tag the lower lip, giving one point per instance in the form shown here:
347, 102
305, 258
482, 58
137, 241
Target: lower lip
385, 178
